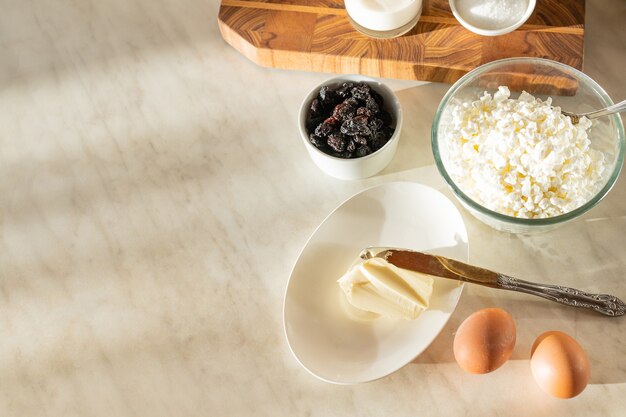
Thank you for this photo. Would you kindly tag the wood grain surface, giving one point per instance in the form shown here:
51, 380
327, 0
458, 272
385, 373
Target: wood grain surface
315, 35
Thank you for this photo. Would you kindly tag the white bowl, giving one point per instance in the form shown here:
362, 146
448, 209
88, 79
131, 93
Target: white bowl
321, 334
488, 31
356, 168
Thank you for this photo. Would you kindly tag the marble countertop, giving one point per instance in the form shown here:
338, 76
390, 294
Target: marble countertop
154, 195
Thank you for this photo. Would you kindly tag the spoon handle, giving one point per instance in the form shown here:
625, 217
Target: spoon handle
615, 108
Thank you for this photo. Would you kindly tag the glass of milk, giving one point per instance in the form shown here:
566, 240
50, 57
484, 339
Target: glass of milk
383, 18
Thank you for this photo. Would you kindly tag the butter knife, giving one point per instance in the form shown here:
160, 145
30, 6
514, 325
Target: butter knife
443, 267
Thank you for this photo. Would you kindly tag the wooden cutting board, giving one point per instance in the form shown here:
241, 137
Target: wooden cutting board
315, 35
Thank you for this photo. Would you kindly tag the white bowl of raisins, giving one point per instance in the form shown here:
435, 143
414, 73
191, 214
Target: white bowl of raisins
351, 126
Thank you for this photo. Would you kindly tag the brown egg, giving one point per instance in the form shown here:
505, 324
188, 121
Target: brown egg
559, 365
484, 341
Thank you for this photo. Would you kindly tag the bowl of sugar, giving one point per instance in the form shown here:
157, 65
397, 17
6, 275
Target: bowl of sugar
492, 17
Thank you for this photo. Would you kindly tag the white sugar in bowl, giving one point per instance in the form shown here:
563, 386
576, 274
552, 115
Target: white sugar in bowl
492, 17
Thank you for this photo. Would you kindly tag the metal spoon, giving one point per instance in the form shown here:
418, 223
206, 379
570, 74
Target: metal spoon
443, 267
615, 108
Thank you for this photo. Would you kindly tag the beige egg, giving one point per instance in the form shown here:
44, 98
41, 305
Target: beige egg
484, 341
559, 364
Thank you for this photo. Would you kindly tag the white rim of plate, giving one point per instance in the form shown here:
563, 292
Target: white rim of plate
461, 286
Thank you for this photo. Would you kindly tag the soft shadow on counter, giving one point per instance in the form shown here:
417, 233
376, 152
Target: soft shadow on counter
599, 335
51, 39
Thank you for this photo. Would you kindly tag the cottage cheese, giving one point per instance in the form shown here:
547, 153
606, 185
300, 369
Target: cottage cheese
521, 157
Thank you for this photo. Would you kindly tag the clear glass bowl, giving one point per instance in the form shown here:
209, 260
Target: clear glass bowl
571, 90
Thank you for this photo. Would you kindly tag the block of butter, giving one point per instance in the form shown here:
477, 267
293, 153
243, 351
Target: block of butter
378, 287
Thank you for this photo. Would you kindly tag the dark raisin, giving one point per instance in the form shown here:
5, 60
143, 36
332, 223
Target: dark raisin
379, 99
324, 91
361, 91
317, 141
355, 126
352, 102
342, 155
348, 127
337, 142
362, 119
329, 97
335, 123
363, 111
363, 150
313, 123
343, 111
372, 105
351, 146
375, 124
326, 127
361, 140
378, 140
345, 90
316, 108
388, 131
385, 117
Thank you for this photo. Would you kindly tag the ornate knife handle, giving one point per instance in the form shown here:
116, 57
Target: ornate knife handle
443, 267
602, 303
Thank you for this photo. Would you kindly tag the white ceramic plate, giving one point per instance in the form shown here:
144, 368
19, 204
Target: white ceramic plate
321, 335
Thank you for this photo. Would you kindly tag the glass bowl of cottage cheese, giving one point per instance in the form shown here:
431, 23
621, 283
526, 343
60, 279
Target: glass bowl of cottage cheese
510, 156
